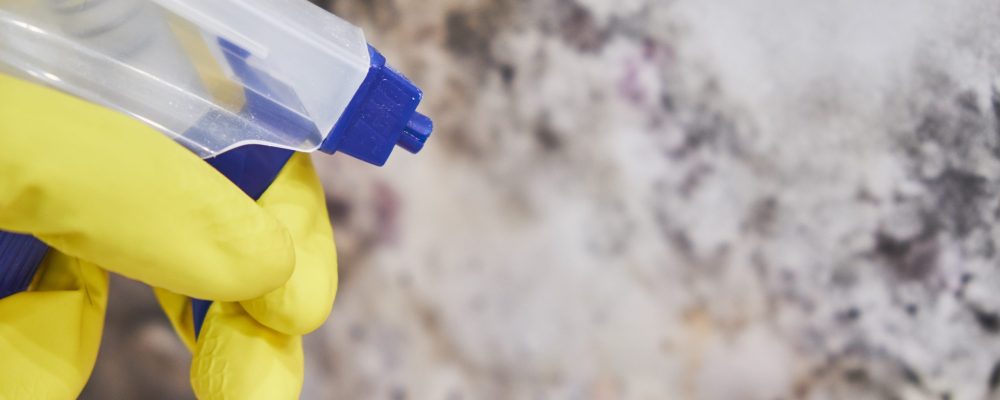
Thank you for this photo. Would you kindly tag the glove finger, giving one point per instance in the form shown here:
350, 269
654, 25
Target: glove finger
108, 189
178, 310
304, 302
49, 336
236, 357
301, 305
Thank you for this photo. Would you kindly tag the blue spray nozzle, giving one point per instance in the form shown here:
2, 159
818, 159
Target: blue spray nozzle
381, 115
416, 132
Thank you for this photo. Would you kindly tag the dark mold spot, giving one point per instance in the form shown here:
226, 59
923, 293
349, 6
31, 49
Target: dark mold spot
995, 105
547, 136
866, 196
958, 194
994, 380
989, 321
575, 25
763, 215
957, 126
464, 37
856, 375
667, 102
693, 180
578, 27
469, 33
968, 101
707, 128
507, 73
963, 282
911, 309
931, 126
988, 249
675, 236
849, 315
338, 208
910, 375
910, 259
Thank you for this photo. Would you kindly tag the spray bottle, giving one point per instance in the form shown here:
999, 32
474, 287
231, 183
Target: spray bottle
241, 83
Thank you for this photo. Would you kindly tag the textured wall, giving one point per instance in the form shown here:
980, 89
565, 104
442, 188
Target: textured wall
656, 199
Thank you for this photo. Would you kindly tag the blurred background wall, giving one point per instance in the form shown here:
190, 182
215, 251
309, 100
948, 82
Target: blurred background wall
658, 199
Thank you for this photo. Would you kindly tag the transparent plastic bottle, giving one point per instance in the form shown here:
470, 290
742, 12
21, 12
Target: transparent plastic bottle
169, 63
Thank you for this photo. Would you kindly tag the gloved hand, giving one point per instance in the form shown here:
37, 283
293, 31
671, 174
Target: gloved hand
109, 193
253, 349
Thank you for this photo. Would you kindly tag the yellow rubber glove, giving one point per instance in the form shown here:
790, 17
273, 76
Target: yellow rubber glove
105, 190
253, 349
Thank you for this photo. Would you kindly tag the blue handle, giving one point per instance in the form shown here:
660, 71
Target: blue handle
19, 258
